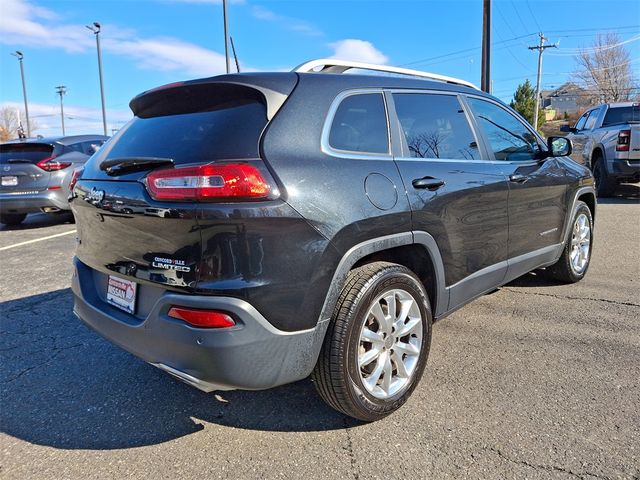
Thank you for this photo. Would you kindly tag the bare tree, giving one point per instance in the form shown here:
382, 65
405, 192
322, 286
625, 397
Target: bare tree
604, 69
12, 123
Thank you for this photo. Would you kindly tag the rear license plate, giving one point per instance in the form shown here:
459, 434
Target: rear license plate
9, 181
121, 293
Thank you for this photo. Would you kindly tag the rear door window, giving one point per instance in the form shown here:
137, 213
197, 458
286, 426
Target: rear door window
509, 138
360, 125
435, 126
24, 152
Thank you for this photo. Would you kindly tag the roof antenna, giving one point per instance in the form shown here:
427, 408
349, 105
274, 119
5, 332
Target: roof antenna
233, 47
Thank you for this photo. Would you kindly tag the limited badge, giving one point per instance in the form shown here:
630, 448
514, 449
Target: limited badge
170, 264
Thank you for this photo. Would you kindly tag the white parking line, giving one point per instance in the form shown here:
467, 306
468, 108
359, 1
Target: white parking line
37, 240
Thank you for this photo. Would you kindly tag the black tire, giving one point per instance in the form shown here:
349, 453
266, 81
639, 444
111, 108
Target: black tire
337, 374
563, 269
12, 219
605, 185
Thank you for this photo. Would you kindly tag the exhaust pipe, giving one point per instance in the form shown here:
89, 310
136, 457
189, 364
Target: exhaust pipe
50, 209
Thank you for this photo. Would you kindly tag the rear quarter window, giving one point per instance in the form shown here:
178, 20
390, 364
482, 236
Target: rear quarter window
360, 125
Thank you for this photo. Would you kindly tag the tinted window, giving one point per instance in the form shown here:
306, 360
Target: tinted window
92, 147
228, 130
24, 152
617, 115
360, 125
435, 126
74, 147
508, 137
582, 121
591, 121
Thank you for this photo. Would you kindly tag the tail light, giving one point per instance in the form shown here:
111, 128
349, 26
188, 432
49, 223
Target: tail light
624, 140
50, 164
234, 181
74, 179
202, 318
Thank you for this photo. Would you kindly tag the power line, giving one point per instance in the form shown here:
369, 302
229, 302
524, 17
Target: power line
532, 15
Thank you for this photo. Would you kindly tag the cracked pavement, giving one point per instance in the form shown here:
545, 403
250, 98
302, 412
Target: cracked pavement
536, 380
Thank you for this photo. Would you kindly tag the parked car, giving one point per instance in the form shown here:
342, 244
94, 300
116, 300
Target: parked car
607, 140
35, 173
321, 223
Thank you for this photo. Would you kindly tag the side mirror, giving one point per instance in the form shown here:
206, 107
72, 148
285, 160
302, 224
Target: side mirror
567, 129
559, 146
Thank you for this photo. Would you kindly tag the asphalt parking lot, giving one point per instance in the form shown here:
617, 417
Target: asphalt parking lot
536, 380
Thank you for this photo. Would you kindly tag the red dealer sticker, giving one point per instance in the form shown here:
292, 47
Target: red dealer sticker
121, 293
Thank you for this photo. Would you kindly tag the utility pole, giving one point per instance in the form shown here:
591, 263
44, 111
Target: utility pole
95, 28
20, 56
541, 47
226, 34
61, 90
485, 81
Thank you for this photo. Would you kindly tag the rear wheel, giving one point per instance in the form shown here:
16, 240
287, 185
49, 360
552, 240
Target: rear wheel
378, 342
605, 185
574, 262
12, 218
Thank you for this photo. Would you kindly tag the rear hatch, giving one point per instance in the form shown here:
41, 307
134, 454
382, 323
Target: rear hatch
19, 167
124, 226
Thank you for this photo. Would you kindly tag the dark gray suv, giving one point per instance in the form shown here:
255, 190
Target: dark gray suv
273, 226
35, 174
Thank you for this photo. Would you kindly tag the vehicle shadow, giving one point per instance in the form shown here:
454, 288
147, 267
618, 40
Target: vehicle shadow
625, 193
40, 220
63, 386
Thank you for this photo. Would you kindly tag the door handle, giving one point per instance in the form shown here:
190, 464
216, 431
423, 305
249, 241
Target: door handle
517, 178
429, 183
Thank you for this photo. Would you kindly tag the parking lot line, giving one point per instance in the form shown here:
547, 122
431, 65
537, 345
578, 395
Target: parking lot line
37, 240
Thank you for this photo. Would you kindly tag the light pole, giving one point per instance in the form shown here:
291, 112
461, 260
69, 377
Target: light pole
226, 35
95, 28
20, 56
61, 90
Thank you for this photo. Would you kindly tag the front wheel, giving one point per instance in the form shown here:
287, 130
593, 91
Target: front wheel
377, 344
576, 255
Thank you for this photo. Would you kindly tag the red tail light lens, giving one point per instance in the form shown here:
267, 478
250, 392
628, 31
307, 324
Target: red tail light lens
202, 318
50, 164
208, 182
624, 140
74, 178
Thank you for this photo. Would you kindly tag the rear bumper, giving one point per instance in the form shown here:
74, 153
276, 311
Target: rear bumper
33, 202
253, 355
625, 170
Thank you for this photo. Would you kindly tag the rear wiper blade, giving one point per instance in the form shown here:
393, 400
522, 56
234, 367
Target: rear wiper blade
116, 166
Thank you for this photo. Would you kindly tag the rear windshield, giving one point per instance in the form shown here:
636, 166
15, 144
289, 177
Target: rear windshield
620, 115
24, 152
215, 127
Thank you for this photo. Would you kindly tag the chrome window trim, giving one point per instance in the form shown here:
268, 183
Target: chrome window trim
326, 147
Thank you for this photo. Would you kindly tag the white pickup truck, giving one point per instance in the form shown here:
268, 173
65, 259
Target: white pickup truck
606, 138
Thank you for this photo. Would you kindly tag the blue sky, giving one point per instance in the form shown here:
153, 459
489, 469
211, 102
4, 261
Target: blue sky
151, 42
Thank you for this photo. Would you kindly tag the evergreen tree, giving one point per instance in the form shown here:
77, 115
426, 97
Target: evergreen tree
524, 102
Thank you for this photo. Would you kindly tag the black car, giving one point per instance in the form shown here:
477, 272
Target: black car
270, 226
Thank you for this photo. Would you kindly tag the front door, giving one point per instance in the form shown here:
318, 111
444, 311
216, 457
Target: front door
455, 195
537, 186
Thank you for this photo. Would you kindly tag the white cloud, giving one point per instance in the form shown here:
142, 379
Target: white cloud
290, 23
78, 120
25, 24
357, 51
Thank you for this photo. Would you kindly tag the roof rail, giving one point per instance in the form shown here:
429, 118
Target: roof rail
340, 66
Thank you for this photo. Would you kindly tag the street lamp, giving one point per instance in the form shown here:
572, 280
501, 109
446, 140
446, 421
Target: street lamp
20, 56
61, 90
95, 28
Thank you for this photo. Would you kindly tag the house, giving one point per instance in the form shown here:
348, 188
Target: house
568, 98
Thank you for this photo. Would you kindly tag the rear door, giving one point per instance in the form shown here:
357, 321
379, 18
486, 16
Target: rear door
537, 185
121, 228
19, 167
456, 196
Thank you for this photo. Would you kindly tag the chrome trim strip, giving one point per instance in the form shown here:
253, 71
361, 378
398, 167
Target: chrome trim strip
190, 380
